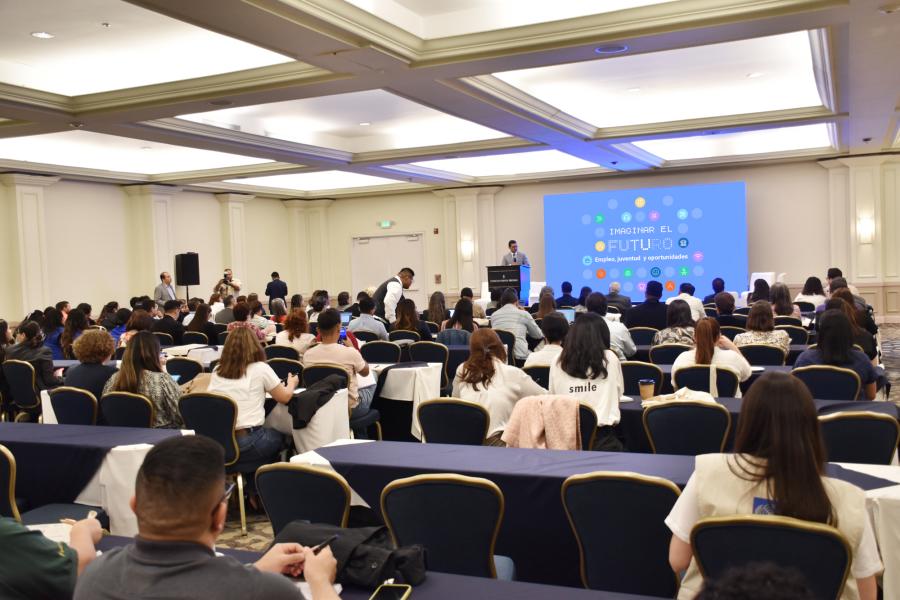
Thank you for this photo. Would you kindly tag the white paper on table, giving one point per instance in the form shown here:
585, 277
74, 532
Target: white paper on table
307, 593
57, 532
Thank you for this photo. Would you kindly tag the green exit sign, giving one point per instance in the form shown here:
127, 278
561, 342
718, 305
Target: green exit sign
385, 224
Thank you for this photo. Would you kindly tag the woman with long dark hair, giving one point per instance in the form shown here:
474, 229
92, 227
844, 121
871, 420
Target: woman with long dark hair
761, 329
107, 313
118, 323
812, 292
778, 468
30, 347
74, 327
53, 328
582, 298
546, 305
437, 308
679, 325
712, 348
780, 297
201, 323
462, 317
861, 337
408, 320
760, 291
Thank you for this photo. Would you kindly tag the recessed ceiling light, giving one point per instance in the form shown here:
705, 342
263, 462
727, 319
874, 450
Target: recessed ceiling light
611, 49
42, 35
634, 90
754, 75
888, 9
105, 24
146, 147
364, 124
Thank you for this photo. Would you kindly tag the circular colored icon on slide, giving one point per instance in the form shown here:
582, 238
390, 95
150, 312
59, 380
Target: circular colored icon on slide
628, 272
640, 202
655, 272
654, 215
600, 246
599, 219
670, 286
601, 273
587, 260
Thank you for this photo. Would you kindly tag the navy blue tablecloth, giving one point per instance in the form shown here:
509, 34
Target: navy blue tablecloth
535, 531
55, 462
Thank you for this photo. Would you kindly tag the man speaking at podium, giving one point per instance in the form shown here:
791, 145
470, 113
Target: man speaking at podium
514, 257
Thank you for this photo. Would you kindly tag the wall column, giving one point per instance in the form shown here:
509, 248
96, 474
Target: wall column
28, 286
469, 215
234, 233
308, 244
150, 230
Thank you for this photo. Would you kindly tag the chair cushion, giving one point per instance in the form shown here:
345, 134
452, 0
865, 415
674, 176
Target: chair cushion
506, 568
52, 513
364, 421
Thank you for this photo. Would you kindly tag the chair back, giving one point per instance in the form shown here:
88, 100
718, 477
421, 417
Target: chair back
696, 377
454, 337
73, 406
826, 382
817, 550
665, 354
634, 370
860, 437
220, 327
215, 416
380, 352
402, 334
165, 339
798, 335
613, 310
687, 428
292, 492
453, 421
433, 327
278, 351
314, 373
642, 336
195, 337
509, 340
763, 354
21, 380
710, 311
806, 307
788, 320
730, 331
125, 409
446, 513
120, 352
223, 335
744, 310
587, 426
286, 366
540, 375
432, 352
314, 328
630, 509
186, 368
366, 336
8, 506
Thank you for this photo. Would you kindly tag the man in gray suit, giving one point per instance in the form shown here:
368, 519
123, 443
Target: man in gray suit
165, 291
514, 257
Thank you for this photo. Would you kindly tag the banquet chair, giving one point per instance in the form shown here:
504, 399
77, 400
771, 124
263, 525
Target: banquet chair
634, 370
73, 406
763, 354
631, 509
291, 492
186, 368
380, 352
806, 307
744, 310
509, 340
195, 337
403, 334
314, 328
687, 428
788, 320
860, 437
587, 426
456, 518
314, 373
433, 327
730, 331
665, 354
432, 352
642, 336
798, 335
220, 327
818, 551
164, 338
366, 336
125, 409
453, 421
278, 351
711, 312
826, 382
223, 335
285, 366
540, 375
26, 397
696, 377
453, 337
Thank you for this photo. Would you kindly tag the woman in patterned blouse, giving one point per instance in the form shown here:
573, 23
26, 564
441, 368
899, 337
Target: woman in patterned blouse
679, 325
761, 329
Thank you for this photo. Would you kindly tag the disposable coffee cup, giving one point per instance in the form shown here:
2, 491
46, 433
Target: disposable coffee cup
647, 387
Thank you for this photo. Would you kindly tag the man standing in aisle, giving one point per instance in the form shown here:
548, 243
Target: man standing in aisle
164, 291
514, 257
276, 289
390, 292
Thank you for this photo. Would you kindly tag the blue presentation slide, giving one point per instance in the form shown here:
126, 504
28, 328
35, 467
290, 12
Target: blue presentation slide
689, 233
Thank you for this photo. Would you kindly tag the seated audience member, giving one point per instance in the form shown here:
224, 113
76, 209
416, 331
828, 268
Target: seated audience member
201, 323
296, 301
75, 325
35, 566
254, 297
761, 329
713, 349
353, 309
318, 303
332, 351
835, 273
725, 308
458, 329
863, 317
30, 348
679, 325
118, 323
215, 304
188, 311
244, 376
718, 286
554, 327
343, 301
169, 322
181, 503
486, 379
589, 371
838, 284
140, 320
777, 468
756, 580
87, 309
545, 291
580, 306
652, 312
279, 311
107, 313
615, 298
477, 310
686, 293
545, 306
620, 337
367, 321
437, 309
225, 315
781, 301
513, 319
257, 318
812, 292
242, 320
835, 348
408, 320
761, 291
6, 335
861, 337
53, 328
494, 304
92, 349
64, 308
567, 299
296, 333
141, 373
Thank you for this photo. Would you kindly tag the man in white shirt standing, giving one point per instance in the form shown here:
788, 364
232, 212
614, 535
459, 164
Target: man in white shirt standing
687, 294
514, 257
390, 292
619, 336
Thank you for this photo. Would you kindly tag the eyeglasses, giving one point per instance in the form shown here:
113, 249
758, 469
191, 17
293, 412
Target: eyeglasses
229, 489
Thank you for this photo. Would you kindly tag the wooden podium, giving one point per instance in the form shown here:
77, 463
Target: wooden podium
517, 277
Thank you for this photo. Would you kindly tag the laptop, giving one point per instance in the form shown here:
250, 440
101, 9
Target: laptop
345, 318
568, 313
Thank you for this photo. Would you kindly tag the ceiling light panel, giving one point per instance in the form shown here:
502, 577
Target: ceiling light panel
354, 122
310, 182
138, 47
783, 139
517, 163
88, 150
747, 76
429, 19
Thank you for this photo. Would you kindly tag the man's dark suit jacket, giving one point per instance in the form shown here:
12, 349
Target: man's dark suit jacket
169, 325
652, 313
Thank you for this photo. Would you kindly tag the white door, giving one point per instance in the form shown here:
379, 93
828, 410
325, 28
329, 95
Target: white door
375, 259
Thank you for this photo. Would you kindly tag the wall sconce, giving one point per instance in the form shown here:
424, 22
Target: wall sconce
467, 250
865, 230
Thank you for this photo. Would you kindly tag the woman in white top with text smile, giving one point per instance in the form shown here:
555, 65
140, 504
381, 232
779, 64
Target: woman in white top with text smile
486, 379
712, 348
588, 370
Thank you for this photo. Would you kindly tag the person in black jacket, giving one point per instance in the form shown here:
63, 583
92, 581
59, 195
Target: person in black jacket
652, 312
92, 348
169, 323
30, 347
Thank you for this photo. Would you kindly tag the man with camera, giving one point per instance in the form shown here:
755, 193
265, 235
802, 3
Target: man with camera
228, 284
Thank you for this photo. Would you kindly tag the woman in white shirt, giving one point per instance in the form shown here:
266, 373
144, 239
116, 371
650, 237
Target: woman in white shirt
262, 323
296, 332
486, 379
813, 292
778, 468
713, 349
588, 370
